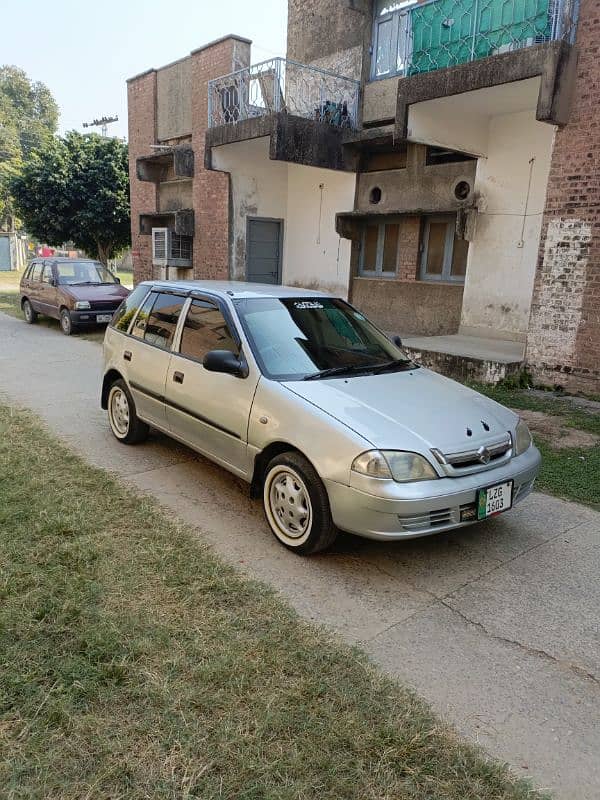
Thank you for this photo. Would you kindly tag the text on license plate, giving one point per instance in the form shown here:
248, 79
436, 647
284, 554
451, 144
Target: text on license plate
494, 499
103, 317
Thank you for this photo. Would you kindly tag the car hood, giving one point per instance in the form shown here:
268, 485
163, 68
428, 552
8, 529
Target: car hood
413, 410
105, 292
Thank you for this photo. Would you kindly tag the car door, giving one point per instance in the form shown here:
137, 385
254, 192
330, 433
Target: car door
147, 351
209, 410
48, 292
33, 286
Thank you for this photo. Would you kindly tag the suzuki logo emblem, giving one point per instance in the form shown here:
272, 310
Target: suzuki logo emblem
484, 455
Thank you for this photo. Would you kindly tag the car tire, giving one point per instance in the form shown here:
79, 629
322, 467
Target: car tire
124, 422
29, 312
66, 324
296, 505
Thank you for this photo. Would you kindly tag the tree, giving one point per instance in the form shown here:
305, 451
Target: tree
76, 188
28, 120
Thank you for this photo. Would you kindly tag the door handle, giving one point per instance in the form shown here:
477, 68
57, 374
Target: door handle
178, 377
127, 355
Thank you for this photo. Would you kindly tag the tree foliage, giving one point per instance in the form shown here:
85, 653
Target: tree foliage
76, 188
28, 120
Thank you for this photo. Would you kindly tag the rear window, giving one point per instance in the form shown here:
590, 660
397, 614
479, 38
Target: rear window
36, 272
161, 324
128, 308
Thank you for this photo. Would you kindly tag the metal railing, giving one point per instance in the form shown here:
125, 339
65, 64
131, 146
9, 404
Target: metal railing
283, 85
413, 37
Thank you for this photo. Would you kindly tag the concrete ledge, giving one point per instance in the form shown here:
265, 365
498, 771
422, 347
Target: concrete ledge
156, 166
555, 62
294, 139
182, 221
463, 368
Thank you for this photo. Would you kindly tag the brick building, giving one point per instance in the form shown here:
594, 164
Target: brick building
171, 192
437, 162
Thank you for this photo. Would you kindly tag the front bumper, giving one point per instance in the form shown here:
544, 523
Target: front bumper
90, 316
406, 511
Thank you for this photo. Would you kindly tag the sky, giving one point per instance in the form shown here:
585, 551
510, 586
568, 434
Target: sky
84, 50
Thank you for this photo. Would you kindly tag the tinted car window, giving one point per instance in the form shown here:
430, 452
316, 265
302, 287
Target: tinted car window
139, 326
205, 329
47, 274
126, 311
162, 321
36, 272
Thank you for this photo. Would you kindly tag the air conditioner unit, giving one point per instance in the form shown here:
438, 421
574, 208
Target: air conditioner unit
171, 251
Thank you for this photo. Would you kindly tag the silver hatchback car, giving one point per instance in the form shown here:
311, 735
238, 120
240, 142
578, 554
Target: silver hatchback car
326, 418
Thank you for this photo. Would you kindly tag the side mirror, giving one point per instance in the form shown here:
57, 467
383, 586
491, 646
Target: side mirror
397, 341
225, 361
117, 280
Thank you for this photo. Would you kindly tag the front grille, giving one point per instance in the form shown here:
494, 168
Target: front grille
488, 455
109, 306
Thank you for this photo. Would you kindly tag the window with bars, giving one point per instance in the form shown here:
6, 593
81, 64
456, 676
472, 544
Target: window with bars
170, 248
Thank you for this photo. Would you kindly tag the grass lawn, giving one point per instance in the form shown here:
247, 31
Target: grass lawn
135, 664
569, 472
10, 303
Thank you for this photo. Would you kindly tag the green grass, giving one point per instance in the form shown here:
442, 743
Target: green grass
569, 472
135, 664
10, 303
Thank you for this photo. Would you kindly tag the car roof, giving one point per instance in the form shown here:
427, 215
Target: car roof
237, 289
63, 259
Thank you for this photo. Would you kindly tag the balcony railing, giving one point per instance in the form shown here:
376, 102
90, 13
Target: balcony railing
282, 85
412, 36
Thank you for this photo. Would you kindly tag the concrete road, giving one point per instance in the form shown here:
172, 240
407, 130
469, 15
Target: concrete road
498, 626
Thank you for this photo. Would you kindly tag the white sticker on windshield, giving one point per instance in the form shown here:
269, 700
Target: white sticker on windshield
308, 304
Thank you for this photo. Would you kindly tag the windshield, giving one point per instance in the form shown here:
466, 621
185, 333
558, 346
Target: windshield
78, 272
294, 338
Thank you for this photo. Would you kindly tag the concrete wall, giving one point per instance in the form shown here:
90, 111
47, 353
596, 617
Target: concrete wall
259, 188
314, 255
326, 28
503, 253
409, 307
305, 198
174, 100
175, 195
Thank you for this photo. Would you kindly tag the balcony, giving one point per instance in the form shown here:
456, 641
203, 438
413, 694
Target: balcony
280, 85
412, 37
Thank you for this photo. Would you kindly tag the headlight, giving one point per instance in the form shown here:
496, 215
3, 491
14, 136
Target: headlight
394, 464
522, 438
82, 305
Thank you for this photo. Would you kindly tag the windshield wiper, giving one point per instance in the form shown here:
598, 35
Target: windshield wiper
348, 369
399, 364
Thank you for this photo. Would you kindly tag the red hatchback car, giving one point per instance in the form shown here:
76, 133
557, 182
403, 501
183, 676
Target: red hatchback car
76, 292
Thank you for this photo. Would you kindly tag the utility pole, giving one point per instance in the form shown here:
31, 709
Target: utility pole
103, 122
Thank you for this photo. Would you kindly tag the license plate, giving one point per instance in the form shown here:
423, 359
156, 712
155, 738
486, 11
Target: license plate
494, 500
103, 317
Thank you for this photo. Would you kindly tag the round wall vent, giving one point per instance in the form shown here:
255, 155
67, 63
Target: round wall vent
375, 195
462, 190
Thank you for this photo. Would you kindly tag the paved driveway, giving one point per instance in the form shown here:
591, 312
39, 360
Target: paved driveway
498, 626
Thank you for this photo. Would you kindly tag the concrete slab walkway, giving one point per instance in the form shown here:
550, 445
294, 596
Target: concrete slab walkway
498, 626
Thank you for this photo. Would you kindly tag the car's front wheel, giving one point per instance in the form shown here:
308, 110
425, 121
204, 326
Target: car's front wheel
124, 422
296, 504
29, 313
66, 324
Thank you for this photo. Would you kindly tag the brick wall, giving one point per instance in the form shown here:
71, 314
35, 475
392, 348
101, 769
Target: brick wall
211, 189
563, 344
408, 251
141, 102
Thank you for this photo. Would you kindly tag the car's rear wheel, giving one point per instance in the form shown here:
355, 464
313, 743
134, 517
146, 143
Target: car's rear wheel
296, 504
66, 324
124, 422
29, 313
